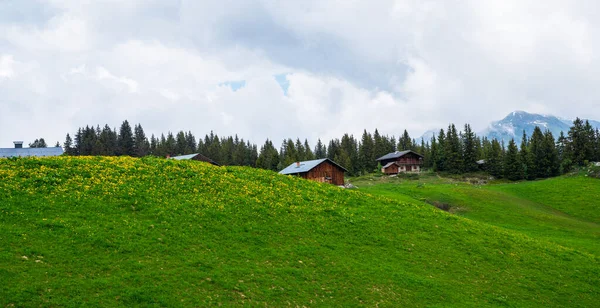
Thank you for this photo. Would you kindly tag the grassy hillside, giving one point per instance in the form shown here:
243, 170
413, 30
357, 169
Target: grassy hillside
150, 232
562, 210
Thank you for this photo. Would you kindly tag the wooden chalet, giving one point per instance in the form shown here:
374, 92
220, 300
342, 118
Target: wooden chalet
401, 162
321, 170
195, 156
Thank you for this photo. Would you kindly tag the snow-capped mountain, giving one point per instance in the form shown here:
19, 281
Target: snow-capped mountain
513, 124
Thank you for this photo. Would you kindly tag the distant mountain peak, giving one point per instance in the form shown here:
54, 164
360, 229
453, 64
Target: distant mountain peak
513, 125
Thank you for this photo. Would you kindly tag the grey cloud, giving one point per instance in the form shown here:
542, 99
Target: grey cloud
357, 62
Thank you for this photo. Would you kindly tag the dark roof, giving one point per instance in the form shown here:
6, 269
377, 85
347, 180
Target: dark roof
195, 156
306, 166
397, 154
389, 164
27, 152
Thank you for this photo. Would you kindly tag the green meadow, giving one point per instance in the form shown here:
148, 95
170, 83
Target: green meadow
112, 232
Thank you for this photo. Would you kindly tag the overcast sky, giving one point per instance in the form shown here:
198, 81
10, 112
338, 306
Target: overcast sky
307, 69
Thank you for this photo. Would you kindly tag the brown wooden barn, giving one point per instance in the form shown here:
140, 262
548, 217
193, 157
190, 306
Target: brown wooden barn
195, 156
321, 170
400, 162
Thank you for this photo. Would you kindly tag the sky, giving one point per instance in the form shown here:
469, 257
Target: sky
287, 69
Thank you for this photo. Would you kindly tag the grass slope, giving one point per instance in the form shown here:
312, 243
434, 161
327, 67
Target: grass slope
150, 232
576, 196
562, 210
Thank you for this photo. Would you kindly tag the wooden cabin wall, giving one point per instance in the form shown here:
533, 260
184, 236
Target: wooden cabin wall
324, 170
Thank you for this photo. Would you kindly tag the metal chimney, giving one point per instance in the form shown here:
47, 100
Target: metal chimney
18, 144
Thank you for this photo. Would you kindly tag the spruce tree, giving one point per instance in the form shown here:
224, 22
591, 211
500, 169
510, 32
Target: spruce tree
493, 160
308, 153
524, 157
433, 153
470, 150
320, 150
125, 140
153, 145
513, 170
349, 149
405, 142
576, 146
141, 146
597, 157
366, 154
440, 157
552, 167
537, 157
268, 158
68, 145
170, 145
454, 160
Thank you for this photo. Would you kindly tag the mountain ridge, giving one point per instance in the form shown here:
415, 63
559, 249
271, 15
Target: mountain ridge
513, 125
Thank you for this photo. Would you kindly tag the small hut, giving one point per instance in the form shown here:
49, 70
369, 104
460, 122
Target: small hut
321, 170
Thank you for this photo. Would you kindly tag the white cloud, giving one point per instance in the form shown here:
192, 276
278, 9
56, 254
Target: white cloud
351, 65
6, 66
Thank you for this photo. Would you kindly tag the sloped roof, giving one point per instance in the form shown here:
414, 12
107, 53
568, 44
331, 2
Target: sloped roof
184, 157
389, 164
306, 166
192, 156
27, 152
397, 154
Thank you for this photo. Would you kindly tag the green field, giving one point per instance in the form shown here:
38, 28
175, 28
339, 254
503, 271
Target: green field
564, 210
150, 232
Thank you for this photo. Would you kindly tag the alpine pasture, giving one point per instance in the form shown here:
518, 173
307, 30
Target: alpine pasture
105, 231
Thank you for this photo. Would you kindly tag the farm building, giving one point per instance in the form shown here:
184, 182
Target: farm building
400, 162
321, 170
195, 156
19, 151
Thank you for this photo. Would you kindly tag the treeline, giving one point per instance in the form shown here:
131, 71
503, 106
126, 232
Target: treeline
538, 156
451, 150
105, 141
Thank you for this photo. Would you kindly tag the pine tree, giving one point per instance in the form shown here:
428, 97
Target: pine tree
537, 155
379, 146
320, 150
301, 153
576, 146
68, 145
470, 150
513, 170
494, 160
333, 148
153, 145
190, 143
552, 167
141, 146
440, 156
454, 161
240, 152
268, 158
405, 142
308, 153
597, 158
38, 143
524, 157
433, 153
170, 145
289, 154
349, 154
366, 154
125, 140
589, 142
